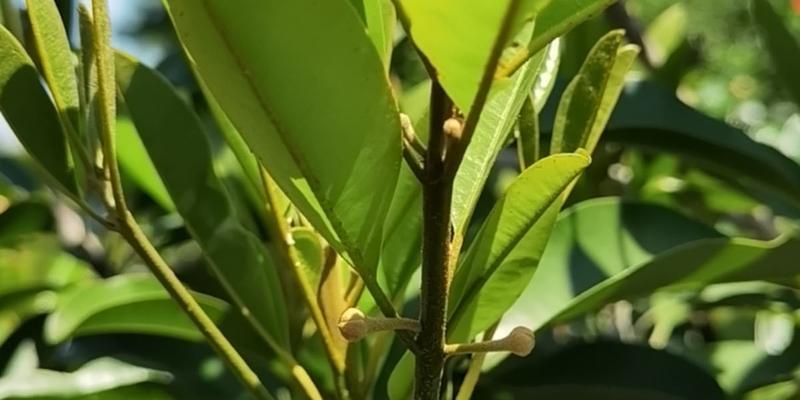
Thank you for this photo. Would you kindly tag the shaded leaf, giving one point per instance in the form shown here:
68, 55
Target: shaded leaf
21, 96
236, 256
651, 117
603, 251
125, 304
783, 47
632, 373
18, 308
134, 160
587, 102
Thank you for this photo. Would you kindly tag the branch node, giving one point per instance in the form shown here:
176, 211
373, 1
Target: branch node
354, 325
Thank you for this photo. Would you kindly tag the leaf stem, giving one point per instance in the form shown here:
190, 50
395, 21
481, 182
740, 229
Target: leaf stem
129, 228
474, 370
283, 244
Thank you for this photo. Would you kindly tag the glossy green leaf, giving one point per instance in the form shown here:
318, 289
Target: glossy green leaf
125, 304
505, 253
55, 58
587, 102
136, 164
21, 96
402, 233
491, 135
783, 47
255, 58
603, 251
236, 143
651, 117
239, 261
458, 37
95, 376
628, 372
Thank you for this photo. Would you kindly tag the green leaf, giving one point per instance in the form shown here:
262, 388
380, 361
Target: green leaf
458, 36
560, 16
237, 258
310, 251
21, 220
491, 135
125, 304
334, 146
380, 18
741, 366
783, 47
55, 58
21, 97
587, 102
39, 263
505, 253
603, 251
18, 308
527, 135
133, 159
629, 372
95, 376
651, 117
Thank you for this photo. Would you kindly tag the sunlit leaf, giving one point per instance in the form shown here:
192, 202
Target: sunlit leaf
125, 304
506, 251
344, 109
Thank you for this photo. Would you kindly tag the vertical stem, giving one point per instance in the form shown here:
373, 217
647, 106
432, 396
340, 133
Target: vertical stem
282, 237
437, 194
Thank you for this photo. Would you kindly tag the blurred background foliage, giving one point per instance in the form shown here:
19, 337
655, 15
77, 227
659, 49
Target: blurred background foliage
711, 54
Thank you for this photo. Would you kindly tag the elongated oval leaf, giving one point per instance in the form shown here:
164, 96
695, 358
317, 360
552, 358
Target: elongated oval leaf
125, 304
491, 135
506, 251
330, 136
589, 99
380, 18
167, 128
93, 377
783, 47
136, 163
603, 251
651, 117
55, 57
458, 36
22, 97
560, 16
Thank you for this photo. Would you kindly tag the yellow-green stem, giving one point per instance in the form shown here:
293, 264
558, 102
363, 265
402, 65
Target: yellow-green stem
282, 238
